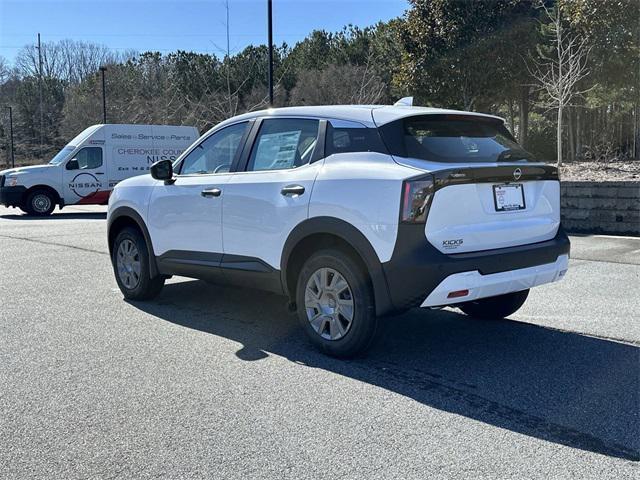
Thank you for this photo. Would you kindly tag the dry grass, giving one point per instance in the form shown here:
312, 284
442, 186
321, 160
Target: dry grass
601, 171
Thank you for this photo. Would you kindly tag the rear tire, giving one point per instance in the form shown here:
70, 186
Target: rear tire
495, 307
130, 259
335, 304
39, 203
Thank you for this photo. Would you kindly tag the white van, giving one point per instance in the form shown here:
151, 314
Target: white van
86, 170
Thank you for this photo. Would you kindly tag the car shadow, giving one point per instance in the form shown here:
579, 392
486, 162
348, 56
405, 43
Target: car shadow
571, 389
58, 216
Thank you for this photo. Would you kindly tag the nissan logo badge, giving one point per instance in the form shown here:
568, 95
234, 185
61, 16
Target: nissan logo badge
517, 173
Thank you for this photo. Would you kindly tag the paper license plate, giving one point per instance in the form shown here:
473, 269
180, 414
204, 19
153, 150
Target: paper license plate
509, 197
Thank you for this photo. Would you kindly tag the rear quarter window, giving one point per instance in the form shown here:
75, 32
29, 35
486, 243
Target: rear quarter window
347, 140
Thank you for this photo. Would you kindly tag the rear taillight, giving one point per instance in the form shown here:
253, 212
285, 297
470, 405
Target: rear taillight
416, 196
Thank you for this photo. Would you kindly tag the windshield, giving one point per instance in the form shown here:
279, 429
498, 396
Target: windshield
62, 155
452, 138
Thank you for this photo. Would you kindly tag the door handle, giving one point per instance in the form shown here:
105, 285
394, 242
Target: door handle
211, 192
291, 190
99, 173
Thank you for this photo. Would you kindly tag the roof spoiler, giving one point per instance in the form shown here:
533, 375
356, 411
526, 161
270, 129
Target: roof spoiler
404, 102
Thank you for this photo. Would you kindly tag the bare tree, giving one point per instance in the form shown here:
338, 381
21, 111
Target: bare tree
559, 71
5, 71
338, 84
68, 60
219, 102
226, 103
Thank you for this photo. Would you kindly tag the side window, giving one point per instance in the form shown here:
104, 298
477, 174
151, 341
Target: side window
345, 140
216, 153
283, 143
89, 157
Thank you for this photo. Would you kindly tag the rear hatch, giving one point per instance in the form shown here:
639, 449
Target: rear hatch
488, 192
484, 208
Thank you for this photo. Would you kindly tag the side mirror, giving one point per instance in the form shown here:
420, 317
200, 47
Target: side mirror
72, 164
162, 170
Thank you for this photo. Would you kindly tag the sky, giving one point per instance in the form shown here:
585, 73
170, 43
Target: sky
169, 25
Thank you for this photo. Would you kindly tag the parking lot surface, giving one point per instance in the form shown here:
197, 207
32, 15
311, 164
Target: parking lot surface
215, 382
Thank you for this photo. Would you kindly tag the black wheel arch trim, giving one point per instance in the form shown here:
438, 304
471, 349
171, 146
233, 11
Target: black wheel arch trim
130, 213
352, 236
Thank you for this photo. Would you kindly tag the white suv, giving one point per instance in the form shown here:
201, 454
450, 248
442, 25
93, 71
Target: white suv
353, 212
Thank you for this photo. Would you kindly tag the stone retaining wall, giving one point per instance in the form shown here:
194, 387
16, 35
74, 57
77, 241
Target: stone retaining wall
601, 207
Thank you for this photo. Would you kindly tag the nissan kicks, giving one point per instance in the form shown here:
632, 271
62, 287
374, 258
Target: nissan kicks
352, 212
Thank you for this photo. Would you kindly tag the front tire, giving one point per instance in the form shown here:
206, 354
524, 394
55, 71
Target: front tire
39, 203
335, 304
130, 259
495, 307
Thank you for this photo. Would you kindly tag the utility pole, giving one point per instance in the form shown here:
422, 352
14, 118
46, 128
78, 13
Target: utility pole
40, 92
13, 156
104, 96
270, 35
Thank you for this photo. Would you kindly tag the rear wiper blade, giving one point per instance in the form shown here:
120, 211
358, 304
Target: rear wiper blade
511, 155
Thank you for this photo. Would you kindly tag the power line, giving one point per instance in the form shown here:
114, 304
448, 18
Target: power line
160, 35
151, 49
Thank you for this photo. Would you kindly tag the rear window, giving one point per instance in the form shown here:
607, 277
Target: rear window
451, 139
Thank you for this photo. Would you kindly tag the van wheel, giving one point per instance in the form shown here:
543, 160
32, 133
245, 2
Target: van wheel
130, 261
335, 304
495, 307
40, 203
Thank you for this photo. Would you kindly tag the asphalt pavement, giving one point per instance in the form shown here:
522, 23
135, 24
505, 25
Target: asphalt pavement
214, 382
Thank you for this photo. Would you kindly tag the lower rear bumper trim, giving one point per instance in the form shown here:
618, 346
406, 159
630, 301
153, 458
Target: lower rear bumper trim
417, 268
483, 286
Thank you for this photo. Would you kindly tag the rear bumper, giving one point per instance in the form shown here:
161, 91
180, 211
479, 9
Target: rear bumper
418, 273
483, 286
12, 196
